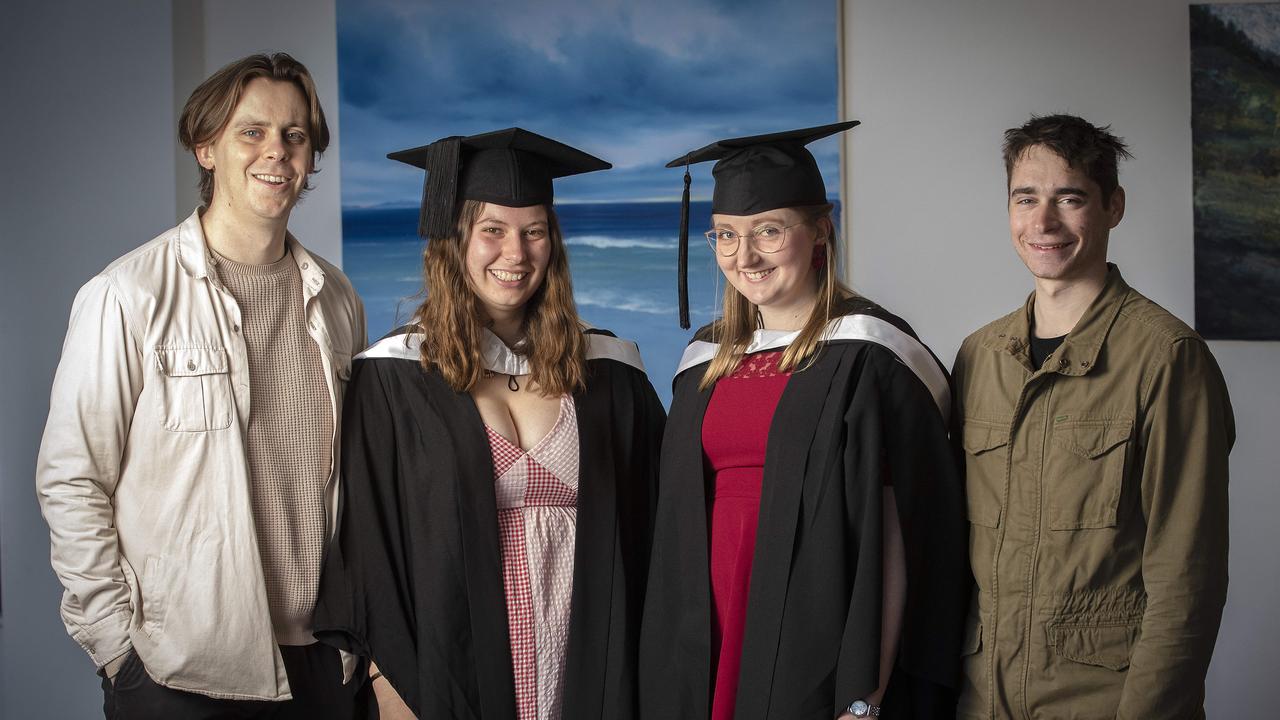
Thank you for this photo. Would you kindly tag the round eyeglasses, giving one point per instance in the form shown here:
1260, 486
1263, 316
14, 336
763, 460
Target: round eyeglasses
767, 238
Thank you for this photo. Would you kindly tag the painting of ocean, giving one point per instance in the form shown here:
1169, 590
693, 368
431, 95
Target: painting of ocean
622, 256
633, 83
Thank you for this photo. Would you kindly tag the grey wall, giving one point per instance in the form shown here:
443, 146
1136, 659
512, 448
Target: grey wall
91, 169
935, 83
306, 30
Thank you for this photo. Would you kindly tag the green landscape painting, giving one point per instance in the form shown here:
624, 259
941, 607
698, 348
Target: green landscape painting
1235, 121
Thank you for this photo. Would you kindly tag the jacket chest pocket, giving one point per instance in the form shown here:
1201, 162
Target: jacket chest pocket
986, 468
1084, 472
195, 388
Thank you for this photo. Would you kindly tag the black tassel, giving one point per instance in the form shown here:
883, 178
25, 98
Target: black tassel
683, 279
439, 193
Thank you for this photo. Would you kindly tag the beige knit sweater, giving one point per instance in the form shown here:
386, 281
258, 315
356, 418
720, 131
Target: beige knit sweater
290, 436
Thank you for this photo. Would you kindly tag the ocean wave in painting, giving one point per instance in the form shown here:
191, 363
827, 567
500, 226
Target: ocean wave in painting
610, 243
622, 301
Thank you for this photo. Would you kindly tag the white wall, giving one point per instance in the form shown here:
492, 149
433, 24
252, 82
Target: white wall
936, 83
91, 168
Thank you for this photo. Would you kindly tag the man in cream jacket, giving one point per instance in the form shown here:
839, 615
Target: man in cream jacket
188, 471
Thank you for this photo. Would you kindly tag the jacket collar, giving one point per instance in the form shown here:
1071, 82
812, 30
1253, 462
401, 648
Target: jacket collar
1079, 351
312, 272
195, 257
193, 252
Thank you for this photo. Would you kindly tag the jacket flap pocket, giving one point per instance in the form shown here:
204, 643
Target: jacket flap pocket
1091, 438
972, 635
1106, 645
191, 361
982, 435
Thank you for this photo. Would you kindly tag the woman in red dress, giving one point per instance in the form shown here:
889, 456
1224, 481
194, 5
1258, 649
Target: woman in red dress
809, 546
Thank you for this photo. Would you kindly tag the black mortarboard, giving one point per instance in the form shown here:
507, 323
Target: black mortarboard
754, 174
512, 167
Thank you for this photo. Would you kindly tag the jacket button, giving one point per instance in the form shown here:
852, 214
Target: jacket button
191, 364
235, 328
1063, 362
1084, 364
305, 266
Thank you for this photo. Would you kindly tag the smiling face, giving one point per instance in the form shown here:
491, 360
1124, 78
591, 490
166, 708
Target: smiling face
783, 285
507, 254
1057, 219
260, 160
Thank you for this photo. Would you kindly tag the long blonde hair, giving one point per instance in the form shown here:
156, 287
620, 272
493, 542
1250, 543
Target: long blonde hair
733, 330
453, 319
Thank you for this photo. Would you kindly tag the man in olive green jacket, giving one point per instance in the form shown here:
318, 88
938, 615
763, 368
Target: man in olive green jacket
1095, 428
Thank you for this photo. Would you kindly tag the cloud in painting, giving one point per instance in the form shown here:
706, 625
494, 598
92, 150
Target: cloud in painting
1256, 20
636, 84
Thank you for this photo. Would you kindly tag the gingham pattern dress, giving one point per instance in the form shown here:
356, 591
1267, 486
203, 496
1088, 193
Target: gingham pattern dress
537, 493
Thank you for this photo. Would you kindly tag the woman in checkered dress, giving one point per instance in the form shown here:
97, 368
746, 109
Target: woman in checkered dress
499, 464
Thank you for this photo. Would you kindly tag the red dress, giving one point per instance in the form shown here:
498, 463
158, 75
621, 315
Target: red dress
735, 432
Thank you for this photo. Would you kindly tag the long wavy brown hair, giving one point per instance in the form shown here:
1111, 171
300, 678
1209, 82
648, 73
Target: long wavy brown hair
733, 330
452, 318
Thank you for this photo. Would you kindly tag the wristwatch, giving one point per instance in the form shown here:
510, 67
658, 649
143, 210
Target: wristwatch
862, 708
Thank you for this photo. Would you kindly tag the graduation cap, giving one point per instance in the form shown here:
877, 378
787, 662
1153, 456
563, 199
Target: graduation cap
754, 174
512, 167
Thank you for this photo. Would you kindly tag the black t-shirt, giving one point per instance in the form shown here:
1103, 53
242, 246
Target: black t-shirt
1042, 348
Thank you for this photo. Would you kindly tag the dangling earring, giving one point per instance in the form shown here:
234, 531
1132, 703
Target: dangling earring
819, 256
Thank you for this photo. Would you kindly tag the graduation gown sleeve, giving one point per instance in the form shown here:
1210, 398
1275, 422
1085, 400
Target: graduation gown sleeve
412, 578
894, 413
365, 565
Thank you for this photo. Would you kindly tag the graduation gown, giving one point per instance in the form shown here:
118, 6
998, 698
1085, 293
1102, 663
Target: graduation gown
874, 399
413, 579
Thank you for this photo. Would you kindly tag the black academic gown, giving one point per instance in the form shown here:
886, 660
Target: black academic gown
413, 579
812, 636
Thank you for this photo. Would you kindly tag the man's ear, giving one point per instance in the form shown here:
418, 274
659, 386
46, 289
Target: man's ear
1116, 208
204, 155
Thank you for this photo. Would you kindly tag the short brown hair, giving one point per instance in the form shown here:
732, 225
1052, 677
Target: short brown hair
210, 106
1084, 146
452, 318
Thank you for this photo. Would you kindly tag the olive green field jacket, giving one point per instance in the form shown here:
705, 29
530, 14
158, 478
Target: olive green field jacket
1097, 500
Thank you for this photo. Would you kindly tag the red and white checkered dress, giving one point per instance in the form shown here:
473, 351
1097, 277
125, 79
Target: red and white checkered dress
537, 494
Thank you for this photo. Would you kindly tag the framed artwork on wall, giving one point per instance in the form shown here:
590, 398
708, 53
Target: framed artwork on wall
1235, 121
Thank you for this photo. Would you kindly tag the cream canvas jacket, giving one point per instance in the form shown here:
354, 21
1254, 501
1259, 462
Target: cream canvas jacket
143, 472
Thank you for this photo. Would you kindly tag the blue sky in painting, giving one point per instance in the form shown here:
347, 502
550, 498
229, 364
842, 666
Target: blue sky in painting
634, 83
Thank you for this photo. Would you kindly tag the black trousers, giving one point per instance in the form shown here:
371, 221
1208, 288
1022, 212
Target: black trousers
315, 676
